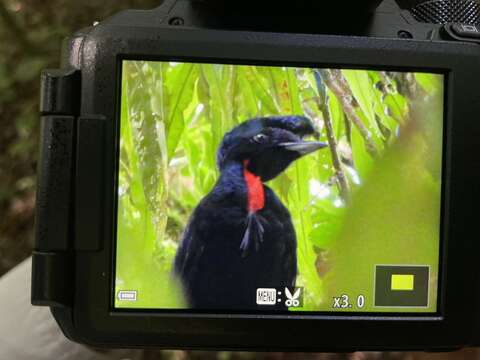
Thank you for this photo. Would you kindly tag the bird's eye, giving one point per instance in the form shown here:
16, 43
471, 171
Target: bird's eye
260, 138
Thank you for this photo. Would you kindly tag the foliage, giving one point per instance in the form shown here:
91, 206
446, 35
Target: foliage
175, 115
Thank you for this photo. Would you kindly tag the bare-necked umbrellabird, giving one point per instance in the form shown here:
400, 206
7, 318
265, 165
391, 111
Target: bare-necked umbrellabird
240, 237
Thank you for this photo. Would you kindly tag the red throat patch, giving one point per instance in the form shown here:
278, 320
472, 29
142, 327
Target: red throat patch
255, 190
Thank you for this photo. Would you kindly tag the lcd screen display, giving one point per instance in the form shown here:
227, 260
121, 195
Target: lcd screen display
272, 189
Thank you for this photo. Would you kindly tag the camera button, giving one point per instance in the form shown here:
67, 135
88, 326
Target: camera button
466, 30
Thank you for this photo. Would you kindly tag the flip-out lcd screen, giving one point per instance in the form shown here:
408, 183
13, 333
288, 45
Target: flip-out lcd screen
278, 189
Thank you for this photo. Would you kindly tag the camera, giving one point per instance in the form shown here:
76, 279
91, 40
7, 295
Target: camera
232, 176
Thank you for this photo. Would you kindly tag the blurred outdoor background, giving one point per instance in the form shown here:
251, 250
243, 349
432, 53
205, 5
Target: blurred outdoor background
30, 38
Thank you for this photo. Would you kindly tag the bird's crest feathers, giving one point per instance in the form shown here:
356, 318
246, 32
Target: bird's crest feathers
296, 124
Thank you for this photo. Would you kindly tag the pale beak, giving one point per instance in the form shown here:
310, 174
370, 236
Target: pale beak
304, 147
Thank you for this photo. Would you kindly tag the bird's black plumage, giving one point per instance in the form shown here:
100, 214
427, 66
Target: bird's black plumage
230, 248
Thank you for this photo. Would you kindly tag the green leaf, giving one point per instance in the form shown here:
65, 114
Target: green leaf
361, 158
181, 83
398, 107
362, 89
247, 100
337, 115
133, 189
262, 89
328, 220
217, 101
293, 92
431, 83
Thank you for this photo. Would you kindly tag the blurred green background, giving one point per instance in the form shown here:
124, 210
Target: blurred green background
31, 32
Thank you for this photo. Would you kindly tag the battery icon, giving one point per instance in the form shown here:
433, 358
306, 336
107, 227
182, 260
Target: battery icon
127, 295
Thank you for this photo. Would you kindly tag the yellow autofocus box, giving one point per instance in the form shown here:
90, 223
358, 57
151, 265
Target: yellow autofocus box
402, 282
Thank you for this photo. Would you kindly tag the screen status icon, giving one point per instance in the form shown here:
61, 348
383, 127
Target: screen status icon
290, 297
127, 295
401, 286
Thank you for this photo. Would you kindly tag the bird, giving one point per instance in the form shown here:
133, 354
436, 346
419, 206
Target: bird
240, 237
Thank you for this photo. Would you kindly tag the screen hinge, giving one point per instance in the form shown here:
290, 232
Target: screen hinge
53, 260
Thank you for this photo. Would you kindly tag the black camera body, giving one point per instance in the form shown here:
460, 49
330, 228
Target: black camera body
76, 224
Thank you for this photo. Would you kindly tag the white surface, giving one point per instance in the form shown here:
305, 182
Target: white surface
31, 333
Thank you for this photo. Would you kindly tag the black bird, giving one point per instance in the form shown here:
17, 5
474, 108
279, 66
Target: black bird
240, 237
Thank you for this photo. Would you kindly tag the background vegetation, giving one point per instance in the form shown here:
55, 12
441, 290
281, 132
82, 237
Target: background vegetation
350, 204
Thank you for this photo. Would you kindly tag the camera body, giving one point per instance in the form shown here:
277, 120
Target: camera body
76, 224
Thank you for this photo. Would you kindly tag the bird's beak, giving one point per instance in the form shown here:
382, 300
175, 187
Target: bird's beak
303, 147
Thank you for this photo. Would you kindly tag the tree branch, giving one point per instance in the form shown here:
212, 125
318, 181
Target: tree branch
332, 142
337, 84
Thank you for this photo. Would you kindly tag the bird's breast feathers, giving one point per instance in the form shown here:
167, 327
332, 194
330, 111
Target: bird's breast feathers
255, 191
